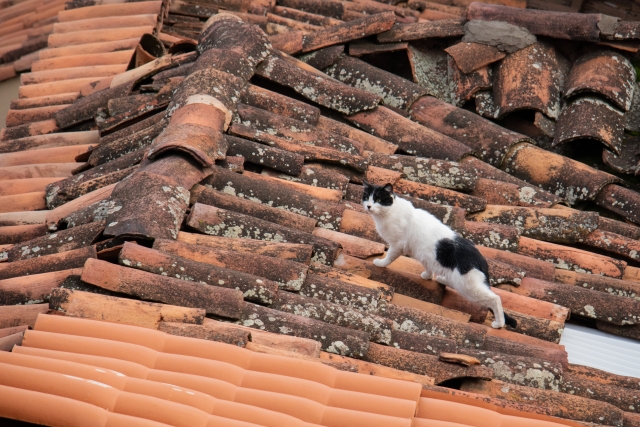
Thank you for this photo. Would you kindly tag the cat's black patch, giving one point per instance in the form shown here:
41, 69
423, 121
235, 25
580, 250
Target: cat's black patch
382, 194
461, 254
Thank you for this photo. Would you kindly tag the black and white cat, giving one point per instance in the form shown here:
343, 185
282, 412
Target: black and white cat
454, 260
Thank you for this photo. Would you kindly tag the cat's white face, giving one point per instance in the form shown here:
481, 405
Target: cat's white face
377, 199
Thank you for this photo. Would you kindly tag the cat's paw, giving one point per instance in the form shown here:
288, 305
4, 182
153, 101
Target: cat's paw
496, 324
380, 262
426, 275
441, 280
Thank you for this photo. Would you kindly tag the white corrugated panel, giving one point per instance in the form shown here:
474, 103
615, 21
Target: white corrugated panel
591, 347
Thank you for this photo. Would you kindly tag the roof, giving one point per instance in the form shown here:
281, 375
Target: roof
181, 194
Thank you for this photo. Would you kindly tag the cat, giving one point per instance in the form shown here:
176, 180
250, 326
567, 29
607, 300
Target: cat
454, 260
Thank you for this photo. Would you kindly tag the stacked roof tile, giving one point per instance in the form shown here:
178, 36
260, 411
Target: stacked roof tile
199, 175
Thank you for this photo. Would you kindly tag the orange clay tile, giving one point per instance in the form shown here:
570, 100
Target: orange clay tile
533, 307
32, 288
79, 60
91, 71
95, 36
111, 309
233, 355
533, 267
88, 49
21, 117
315, 192
54, 88
105, 22
163, 391
169, 290
571, 259
404, 301
50, 140
11, 219
351, 245
30, 129
44, 101
632, 274
23, 202
291, 251
340, 403
47, 409
108, 10
46, 155
27, 185
20, 233
613, 243
301, 346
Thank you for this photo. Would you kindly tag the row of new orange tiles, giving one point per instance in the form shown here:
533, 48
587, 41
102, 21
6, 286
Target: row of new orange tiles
174, 383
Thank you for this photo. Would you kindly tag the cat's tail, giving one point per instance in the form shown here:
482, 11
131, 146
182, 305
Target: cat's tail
510, 321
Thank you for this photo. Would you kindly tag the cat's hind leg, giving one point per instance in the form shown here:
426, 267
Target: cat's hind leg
495, 305
392, 254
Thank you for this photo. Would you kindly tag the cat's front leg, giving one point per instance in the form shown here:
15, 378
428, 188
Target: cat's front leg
392, 254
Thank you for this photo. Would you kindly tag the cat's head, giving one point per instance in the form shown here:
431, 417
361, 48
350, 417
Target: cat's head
377, 199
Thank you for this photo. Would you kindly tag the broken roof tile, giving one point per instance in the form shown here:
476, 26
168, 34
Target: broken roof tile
471, 56
591, 118
605, 73
626, 161
531, 78
464, 86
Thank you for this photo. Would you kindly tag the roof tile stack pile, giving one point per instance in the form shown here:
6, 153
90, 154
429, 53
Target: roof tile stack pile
213, 192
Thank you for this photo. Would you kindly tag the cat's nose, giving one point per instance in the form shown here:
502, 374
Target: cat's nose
368, 206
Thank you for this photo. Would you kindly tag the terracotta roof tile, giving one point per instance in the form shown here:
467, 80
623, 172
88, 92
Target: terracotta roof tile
253, 288
294, 174
295, 252
33, 288
472, 56
287, 273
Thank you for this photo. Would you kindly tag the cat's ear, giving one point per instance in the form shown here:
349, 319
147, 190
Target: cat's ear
366, 184
388, 187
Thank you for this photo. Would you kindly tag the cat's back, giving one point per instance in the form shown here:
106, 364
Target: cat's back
431, 226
